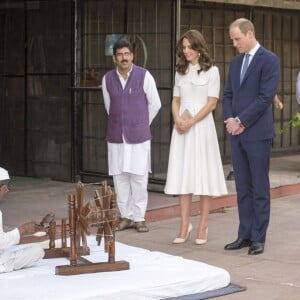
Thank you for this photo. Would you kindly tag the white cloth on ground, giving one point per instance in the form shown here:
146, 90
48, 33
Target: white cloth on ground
151, 275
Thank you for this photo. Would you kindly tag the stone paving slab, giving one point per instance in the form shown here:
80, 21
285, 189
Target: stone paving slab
274, 275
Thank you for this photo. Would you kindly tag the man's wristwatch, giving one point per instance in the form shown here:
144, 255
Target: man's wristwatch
237, 120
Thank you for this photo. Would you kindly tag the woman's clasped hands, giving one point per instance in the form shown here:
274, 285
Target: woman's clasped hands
183, 125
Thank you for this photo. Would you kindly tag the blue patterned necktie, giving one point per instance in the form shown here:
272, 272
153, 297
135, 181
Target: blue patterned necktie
245, 66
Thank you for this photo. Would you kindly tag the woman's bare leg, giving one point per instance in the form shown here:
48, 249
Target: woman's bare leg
203, 224
185, 208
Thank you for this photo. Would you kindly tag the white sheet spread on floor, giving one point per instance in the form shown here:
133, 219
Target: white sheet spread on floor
152, 275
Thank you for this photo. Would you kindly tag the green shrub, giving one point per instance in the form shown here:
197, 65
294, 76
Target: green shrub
294, 122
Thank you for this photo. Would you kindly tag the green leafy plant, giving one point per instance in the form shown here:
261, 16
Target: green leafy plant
294, 122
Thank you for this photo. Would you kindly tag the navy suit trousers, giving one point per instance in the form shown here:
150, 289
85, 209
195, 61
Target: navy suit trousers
251, 163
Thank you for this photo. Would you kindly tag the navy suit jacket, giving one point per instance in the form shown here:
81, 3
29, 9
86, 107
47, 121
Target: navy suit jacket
252, 100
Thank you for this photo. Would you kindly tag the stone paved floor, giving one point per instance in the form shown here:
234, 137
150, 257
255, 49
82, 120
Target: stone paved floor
274, 275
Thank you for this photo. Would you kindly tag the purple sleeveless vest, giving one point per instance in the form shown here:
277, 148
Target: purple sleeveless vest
128, 111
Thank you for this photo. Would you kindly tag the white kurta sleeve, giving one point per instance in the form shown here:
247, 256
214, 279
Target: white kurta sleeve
9, 238
106, 96
152, 95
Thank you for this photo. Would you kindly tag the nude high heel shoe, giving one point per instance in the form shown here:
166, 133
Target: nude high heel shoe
201, 241
179, 240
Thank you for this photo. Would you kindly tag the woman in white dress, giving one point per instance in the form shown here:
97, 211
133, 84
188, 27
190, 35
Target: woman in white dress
195, 166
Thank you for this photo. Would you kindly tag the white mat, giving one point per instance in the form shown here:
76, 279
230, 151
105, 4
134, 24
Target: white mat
152, 275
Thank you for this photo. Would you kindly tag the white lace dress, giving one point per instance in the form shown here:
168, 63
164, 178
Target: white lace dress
195, 164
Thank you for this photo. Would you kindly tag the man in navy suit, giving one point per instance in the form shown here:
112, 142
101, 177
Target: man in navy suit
248, 94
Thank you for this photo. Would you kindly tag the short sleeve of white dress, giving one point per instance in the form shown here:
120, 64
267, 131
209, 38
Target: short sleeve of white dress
214, 83
176, 90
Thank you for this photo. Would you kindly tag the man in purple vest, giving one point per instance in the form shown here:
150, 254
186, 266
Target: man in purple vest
131, 100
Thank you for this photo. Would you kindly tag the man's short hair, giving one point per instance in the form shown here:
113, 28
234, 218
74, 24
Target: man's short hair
244, 25
123, 42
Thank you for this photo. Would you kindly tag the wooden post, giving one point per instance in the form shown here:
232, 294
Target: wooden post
52, 233
112, 246
79, 207
72, 225
100, 230
63, 233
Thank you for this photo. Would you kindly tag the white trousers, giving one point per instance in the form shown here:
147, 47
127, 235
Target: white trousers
21, 258
132, 195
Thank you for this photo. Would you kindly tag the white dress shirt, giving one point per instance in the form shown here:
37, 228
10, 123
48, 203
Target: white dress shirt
251, 54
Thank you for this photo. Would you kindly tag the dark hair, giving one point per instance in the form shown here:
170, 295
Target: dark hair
123, 42
198, 43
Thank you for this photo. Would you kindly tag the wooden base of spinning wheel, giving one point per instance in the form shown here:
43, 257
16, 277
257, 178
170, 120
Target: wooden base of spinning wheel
64, 252
83, 266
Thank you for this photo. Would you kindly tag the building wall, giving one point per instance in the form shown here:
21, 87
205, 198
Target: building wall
276, 29
48, 130
283, 4
35, 71
149, 25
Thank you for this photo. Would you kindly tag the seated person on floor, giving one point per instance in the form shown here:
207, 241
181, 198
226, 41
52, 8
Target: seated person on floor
12, 259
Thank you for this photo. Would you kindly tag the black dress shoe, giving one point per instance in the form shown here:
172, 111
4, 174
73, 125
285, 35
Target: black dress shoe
238, 244
256, 248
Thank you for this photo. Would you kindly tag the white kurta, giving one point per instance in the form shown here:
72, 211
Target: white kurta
18, 258
9, 238
132, 158
195, 164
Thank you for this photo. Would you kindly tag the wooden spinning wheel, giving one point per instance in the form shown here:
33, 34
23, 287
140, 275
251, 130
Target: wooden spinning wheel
83, 218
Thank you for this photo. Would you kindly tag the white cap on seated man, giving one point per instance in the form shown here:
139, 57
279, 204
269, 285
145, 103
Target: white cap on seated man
12, 258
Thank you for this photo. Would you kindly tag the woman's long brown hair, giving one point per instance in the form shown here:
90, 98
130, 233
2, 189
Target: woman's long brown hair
197, 43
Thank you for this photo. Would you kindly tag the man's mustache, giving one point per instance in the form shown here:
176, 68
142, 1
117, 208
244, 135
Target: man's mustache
124, 60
